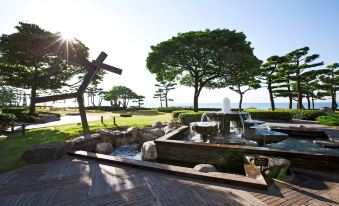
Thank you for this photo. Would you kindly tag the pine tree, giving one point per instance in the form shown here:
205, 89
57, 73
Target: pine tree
330, 83
166, 87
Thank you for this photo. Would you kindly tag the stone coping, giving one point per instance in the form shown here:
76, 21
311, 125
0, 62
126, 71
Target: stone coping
219, 177
244, 148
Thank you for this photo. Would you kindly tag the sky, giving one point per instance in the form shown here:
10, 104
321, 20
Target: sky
126, 29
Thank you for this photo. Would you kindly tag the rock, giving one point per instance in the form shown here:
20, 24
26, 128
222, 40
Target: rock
326, 109
168, 129
174, 125
145, 129
157, 132
104, 148
46, 152
149, 151
156, 125
148, 137
134, 131
87, 144
205, 168
44, 118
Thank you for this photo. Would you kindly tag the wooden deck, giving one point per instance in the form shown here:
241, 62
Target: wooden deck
73, 181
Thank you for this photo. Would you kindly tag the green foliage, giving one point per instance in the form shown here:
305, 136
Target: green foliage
21, 113
32, 58
197, 58
171, 109
120, 95
271, 115
307, 114
187, 118
6, 120
330, 119
175, 114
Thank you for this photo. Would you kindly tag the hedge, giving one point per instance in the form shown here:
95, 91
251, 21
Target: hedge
187, 118
21, 114
330, 119
6, 120
308, 114
271, 115
175, 114
171, 109
105, 108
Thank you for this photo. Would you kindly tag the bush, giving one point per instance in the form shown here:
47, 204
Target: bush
21, 114
175, 114
187, 118
171, 109
6, 120
271, 115
330, 119
105, 108
308, 114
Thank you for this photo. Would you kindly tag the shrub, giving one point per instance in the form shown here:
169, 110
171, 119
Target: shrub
271, 115
175, 114
308, 114
21, 114
330, 119
186, 118
171, 109
105, 108
6, 120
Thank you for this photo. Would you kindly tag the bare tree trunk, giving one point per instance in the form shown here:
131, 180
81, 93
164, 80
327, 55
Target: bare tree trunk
312, 103
269, 87
33, 97
308, 102
240, 101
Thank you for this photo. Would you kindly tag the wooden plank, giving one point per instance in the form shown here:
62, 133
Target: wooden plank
55, 97
176, 170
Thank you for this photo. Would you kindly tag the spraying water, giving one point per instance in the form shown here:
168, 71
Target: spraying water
226, 105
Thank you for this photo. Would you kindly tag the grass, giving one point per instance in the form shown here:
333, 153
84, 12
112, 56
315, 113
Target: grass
13, 146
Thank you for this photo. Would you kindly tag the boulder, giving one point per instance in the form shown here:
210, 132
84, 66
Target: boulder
205, 168
157, 132
145, 129
87, 144
46, 152
104, 148
149, 151
156, 125
133, 131
145, 137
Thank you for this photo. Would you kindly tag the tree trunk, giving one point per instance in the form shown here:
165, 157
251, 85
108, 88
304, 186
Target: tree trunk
334, 102
196, 97
299, 95
269, 87
33, 97
166, 100
240, 101
312, 103
308, 102
160, 103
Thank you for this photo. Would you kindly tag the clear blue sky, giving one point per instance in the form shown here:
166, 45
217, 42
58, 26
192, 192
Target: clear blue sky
125, 30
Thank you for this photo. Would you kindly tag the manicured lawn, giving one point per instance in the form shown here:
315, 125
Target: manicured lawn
12, 147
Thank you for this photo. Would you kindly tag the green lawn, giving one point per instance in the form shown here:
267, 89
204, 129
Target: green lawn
12, 147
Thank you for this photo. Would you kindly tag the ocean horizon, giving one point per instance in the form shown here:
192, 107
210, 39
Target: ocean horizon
282, 105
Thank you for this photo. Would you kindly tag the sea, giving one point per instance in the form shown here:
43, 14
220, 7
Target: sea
282, 105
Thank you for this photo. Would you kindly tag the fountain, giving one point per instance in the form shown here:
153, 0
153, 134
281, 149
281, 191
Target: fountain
227, 127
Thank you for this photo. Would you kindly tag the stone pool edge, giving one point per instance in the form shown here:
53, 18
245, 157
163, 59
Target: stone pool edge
219, 177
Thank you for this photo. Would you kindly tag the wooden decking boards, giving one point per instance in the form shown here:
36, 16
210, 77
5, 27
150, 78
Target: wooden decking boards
74, 181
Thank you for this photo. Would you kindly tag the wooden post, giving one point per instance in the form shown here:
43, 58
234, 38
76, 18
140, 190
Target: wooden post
82, 112
102, 120
12, 127
114, 121
23, 130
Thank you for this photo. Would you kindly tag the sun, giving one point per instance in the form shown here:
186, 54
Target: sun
68, 36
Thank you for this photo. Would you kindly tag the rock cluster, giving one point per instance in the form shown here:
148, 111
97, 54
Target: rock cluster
102, 142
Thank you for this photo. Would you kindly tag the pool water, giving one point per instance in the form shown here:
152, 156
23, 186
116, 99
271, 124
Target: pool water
129, 151
301, 145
